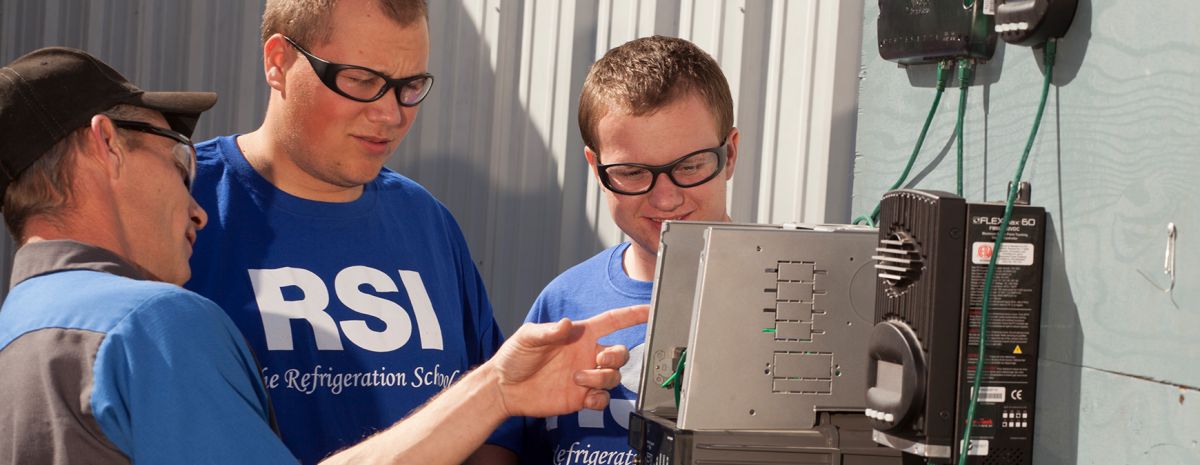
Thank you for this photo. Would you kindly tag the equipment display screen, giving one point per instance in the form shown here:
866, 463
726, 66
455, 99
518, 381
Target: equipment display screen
888, 376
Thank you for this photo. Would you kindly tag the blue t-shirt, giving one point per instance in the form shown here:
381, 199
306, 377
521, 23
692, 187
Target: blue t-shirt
591, 436
359, 311
172, 380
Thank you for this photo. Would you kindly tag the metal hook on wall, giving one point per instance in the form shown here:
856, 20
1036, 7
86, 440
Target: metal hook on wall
1168, 261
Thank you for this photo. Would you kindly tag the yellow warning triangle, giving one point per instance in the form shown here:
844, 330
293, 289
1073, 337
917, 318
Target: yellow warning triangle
1017, 350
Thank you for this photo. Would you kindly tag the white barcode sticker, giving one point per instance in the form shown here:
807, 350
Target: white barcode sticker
991, 394
978, 447
989, 7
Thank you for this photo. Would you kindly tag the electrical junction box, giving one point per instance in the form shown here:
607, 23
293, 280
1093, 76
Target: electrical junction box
1033, 22
927, 31
933, 256
770, 323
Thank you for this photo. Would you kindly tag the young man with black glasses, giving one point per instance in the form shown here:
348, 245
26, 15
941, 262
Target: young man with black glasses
656, 116
352, 283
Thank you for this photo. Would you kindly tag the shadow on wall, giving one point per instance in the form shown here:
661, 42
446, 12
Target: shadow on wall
518, 253
476, 147
1072, 49
1056, 439
1056, 436
188, 45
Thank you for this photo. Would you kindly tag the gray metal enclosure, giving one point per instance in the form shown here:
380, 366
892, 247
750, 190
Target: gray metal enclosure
496, 140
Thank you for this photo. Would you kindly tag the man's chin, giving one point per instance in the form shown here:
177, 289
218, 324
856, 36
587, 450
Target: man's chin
356, 178
650, 248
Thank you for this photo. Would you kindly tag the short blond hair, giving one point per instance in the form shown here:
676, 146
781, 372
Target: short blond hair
307, 21
647, 74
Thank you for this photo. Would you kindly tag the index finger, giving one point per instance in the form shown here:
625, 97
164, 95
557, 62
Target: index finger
615, 319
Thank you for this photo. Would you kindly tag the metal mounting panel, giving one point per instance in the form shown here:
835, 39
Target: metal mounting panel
681, 243
781, 318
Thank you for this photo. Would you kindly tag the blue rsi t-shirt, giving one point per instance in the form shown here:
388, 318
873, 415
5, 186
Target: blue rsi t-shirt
592, 437
359, 311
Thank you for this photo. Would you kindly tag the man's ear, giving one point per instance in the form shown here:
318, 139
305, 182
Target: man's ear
277, 59
591, 159
105, 147
731, 153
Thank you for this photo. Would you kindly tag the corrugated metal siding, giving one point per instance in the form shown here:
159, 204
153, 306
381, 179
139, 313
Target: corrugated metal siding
497, 140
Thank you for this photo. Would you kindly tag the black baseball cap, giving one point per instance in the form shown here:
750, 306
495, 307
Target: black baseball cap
50, 92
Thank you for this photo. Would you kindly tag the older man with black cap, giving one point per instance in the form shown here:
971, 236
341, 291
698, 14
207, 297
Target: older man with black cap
105, 359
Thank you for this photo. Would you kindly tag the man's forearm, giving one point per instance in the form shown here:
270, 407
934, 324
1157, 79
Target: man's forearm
542, 370
444, 431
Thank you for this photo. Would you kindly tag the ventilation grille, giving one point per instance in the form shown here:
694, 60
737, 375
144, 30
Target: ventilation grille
1005, 456
898, 262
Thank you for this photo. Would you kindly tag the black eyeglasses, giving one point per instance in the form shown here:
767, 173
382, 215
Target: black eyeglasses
183, 153
690, 170
363, 84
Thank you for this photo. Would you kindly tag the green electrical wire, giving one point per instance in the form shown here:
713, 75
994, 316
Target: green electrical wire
870, 220
965, 68
1048, 58
676, 379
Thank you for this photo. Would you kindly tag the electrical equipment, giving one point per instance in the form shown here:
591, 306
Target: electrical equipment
763, 328
932, 259
1032, 22
926, 31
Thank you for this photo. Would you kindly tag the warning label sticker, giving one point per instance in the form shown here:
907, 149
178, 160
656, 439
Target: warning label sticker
1011, 253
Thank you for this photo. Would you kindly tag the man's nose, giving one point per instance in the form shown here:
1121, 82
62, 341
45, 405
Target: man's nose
198, 215
387, 109
665, 195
